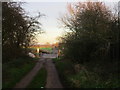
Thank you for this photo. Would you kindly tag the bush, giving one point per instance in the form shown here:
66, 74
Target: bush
89, 79
88, 75
92, 34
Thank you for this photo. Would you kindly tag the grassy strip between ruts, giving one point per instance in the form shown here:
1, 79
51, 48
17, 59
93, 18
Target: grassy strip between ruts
39, 80
14, 70
85, 78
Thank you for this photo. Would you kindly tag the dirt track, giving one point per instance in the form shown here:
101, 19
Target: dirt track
52, 78
52, 75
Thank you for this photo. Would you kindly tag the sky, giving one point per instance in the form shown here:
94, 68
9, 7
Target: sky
50, 23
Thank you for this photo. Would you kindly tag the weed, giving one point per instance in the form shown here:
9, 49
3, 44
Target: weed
39, 80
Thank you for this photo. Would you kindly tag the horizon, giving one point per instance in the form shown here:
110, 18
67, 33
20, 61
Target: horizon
50, 23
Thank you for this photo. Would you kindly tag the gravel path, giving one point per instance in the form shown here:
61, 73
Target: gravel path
52, 77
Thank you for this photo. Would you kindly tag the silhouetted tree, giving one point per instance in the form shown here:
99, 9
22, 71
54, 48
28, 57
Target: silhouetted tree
18, 29
89, 36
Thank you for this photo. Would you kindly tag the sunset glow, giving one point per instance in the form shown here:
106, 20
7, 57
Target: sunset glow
50, 22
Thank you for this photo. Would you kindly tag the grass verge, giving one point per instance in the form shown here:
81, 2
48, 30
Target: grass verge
39, 80
89, 76
14, 70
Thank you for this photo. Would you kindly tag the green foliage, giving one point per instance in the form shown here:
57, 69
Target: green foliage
90, 34
39, 80
93, 80
18, 30
14, 70
90, 75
